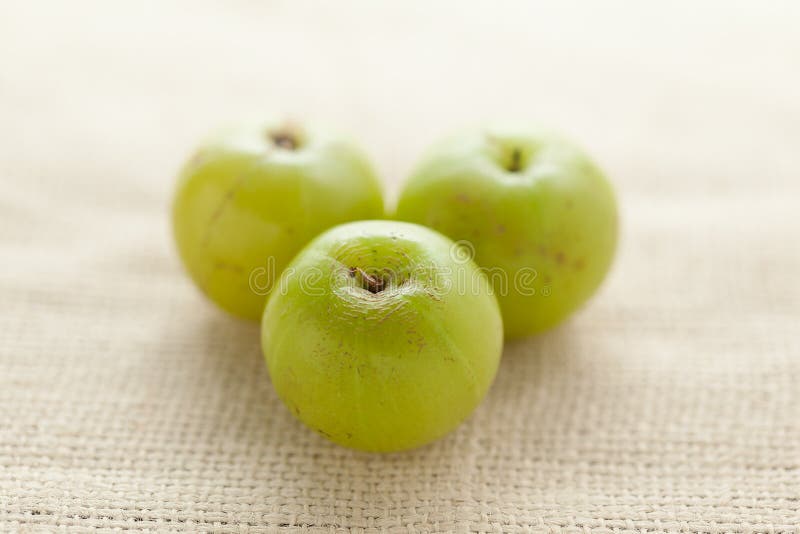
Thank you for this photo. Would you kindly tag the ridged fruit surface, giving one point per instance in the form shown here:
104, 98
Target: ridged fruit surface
382, 336
252, 197
540, 216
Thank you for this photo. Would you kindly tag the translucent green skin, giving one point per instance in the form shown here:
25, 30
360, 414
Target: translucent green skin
382, 371
548, 226
245, 206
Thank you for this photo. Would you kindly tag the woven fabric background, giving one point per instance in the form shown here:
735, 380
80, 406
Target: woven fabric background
670, 403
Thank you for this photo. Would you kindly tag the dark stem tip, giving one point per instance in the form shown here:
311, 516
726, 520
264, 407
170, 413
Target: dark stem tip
373, 284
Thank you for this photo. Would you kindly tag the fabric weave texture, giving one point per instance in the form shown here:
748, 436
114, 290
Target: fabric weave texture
669, 403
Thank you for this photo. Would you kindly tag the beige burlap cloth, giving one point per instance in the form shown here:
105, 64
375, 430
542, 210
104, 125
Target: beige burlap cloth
670, 403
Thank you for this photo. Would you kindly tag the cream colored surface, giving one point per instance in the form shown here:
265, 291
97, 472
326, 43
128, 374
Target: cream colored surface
670, 403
